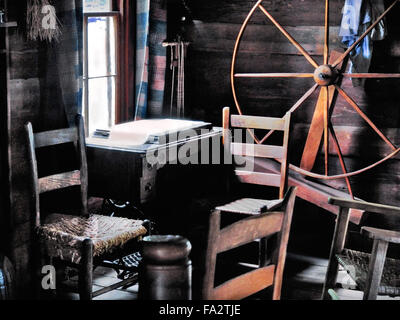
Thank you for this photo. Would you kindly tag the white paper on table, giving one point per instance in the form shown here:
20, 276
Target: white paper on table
137, 133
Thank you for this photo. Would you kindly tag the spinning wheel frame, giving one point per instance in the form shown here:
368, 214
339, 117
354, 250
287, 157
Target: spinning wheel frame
327, 77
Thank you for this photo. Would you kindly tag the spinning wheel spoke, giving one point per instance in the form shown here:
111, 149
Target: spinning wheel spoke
303, 98
326, 131
326, 46
372, 75
274, 75
294, 108
289, 37
340, 59
340, 155
364, 116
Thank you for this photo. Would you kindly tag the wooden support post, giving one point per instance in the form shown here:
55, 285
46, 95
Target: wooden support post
211, 255
86, 271
83, 166
339, 240
283, 239
317, 125
376, 265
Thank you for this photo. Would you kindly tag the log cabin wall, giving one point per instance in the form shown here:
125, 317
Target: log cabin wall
4, 203
212, 33
30, 92
21, 100
3, 146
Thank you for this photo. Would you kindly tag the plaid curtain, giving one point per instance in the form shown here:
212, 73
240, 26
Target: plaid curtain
151, 31
142, 49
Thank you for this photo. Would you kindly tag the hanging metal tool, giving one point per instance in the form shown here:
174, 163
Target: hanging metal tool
1, 16
177, 66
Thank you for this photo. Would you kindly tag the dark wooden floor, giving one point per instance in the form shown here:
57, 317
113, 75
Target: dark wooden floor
305, 268
303, 280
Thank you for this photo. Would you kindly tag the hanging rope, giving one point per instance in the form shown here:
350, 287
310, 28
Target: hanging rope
173, 68
181, 80
177, 66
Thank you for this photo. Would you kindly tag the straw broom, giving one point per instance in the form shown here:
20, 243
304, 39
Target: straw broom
42, 21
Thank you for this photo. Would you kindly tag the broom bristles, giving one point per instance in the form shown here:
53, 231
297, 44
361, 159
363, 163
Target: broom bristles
34, 20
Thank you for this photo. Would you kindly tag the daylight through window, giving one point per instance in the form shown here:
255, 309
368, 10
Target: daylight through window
100, 65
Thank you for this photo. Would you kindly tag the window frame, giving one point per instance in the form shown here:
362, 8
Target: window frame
117, 76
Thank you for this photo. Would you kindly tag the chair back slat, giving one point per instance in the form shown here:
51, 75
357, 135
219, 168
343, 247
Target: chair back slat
246, 231
259, 178
59, 181
260, 150
253, 122
55, 137
245, 285
257, 150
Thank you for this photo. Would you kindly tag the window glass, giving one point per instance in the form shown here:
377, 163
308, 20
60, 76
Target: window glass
100, 65
101, 103
101, 46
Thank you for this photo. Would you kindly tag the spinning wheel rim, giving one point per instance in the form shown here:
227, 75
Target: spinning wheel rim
324, 84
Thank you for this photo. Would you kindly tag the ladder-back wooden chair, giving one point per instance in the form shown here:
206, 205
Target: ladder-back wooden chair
249, 206
82, 240
253, 153
239, 233
372, 272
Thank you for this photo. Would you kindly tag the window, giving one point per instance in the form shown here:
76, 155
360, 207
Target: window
101, 70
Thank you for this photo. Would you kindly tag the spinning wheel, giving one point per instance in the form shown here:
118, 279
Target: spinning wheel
327, 77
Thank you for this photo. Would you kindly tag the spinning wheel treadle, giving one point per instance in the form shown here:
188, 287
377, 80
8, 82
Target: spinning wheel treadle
130, 263
327, 77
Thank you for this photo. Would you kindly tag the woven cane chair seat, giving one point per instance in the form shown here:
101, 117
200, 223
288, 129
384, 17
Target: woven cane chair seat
63, 235
250, 206
356, 264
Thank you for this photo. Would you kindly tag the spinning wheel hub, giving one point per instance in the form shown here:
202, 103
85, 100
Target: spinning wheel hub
325, 75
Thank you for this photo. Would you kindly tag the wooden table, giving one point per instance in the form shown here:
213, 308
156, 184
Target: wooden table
125, 174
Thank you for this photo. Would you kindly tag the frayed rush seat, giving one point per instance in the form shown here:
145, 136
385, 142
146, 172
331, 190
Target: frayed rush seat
356, 263
63, 235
